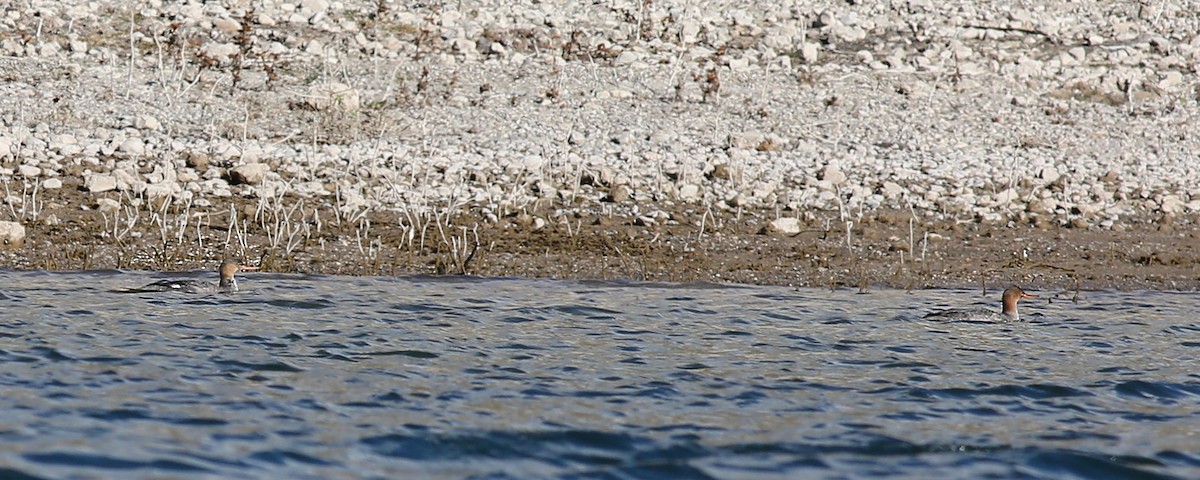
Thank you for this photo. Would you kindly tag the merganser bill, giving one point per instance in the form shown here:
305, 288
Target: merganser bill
227, 284
1009, 313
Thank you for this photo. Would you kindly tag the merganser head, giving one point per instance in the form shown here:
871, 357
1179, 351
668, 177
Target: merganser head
229, 267
1011, 296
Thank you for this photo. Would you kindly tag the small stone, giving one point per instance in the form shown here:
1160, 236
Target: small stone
810, 52
100, 183
12, 234
198, 161
314, 7
628, 57
221, 52
1171, 204
721, 171
689, 192
645, 221
132, 146
29, 171
227, 26
1006, 196
1049, 175
147, 122
249, 174
1078, 53
333, 96
787, 226
107, 205
52, 184
746, 140
892, 190
619, 193
159, 190
833, 174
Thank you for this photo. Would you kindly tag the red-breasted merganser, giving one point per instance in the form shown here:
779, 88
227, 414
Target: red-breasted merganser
1009, 314
227, 284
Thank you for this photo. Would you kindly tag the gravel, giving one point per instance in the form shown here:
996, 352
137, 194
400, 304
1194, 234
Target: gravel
1080, 115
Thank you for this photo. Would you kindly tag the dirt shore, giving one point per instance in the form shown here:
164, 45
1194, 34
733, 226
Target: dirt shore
886, 249
916, 145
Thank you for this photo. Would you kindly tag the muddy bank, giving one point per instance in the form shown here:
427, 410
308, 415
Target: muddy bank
885, 249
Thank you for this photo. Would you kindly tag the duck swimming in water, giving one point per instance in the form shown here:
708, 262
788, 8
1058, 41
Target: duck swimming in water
1007, 314
227, 283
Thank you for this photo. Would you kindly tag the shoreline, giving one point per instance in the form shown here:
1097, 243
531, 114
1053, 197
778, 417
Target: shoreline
731, 248
902, 145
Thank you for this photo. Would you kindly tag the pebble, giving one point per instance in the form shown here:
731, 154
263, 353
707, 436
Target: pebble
333, 96
619, 194
785, 226
133, 146
12, 234
29, 171
454, 103
98, 183
249, 174
689, 192
833, 174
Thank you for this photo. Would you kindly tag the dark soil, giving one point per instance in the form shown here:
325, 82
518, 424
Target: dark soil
886, 249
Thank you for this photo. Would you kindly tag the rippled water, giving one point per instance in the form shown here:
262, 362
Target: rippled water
441, 377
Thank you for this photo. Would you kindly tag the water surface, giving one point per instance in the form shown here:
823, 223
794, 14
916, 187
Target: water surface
444, 377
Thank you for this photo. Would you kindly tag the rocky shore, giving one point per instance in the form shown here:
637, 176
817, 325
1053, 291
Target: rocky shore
913, 144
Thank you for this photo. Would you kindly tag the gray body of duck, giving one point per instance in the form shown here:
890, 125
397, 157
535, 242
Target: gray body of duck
1008, 312
226, 284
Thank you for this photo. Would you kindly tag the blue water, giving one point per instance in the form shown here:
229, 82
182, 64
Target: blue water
441, 377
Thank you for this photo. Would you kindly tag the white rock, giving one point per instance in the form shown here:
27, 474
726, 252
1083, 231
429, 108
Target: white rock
810, 52
783, 226
52, 184
29, 171
100, 183
333, 96
746, 140
250, 173
313, 7
227, 25
107, 205
1171, 204
132, 146
12, 234
159, 190
833, 174
1078, 54
126, 177
1006, 196
220, 51
147, 122
892, 190
689, 192
628, 57
1049, 174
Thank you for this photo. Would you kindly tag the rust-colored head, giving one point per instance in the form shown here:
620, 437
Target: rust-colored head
229, 267
1011, 296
